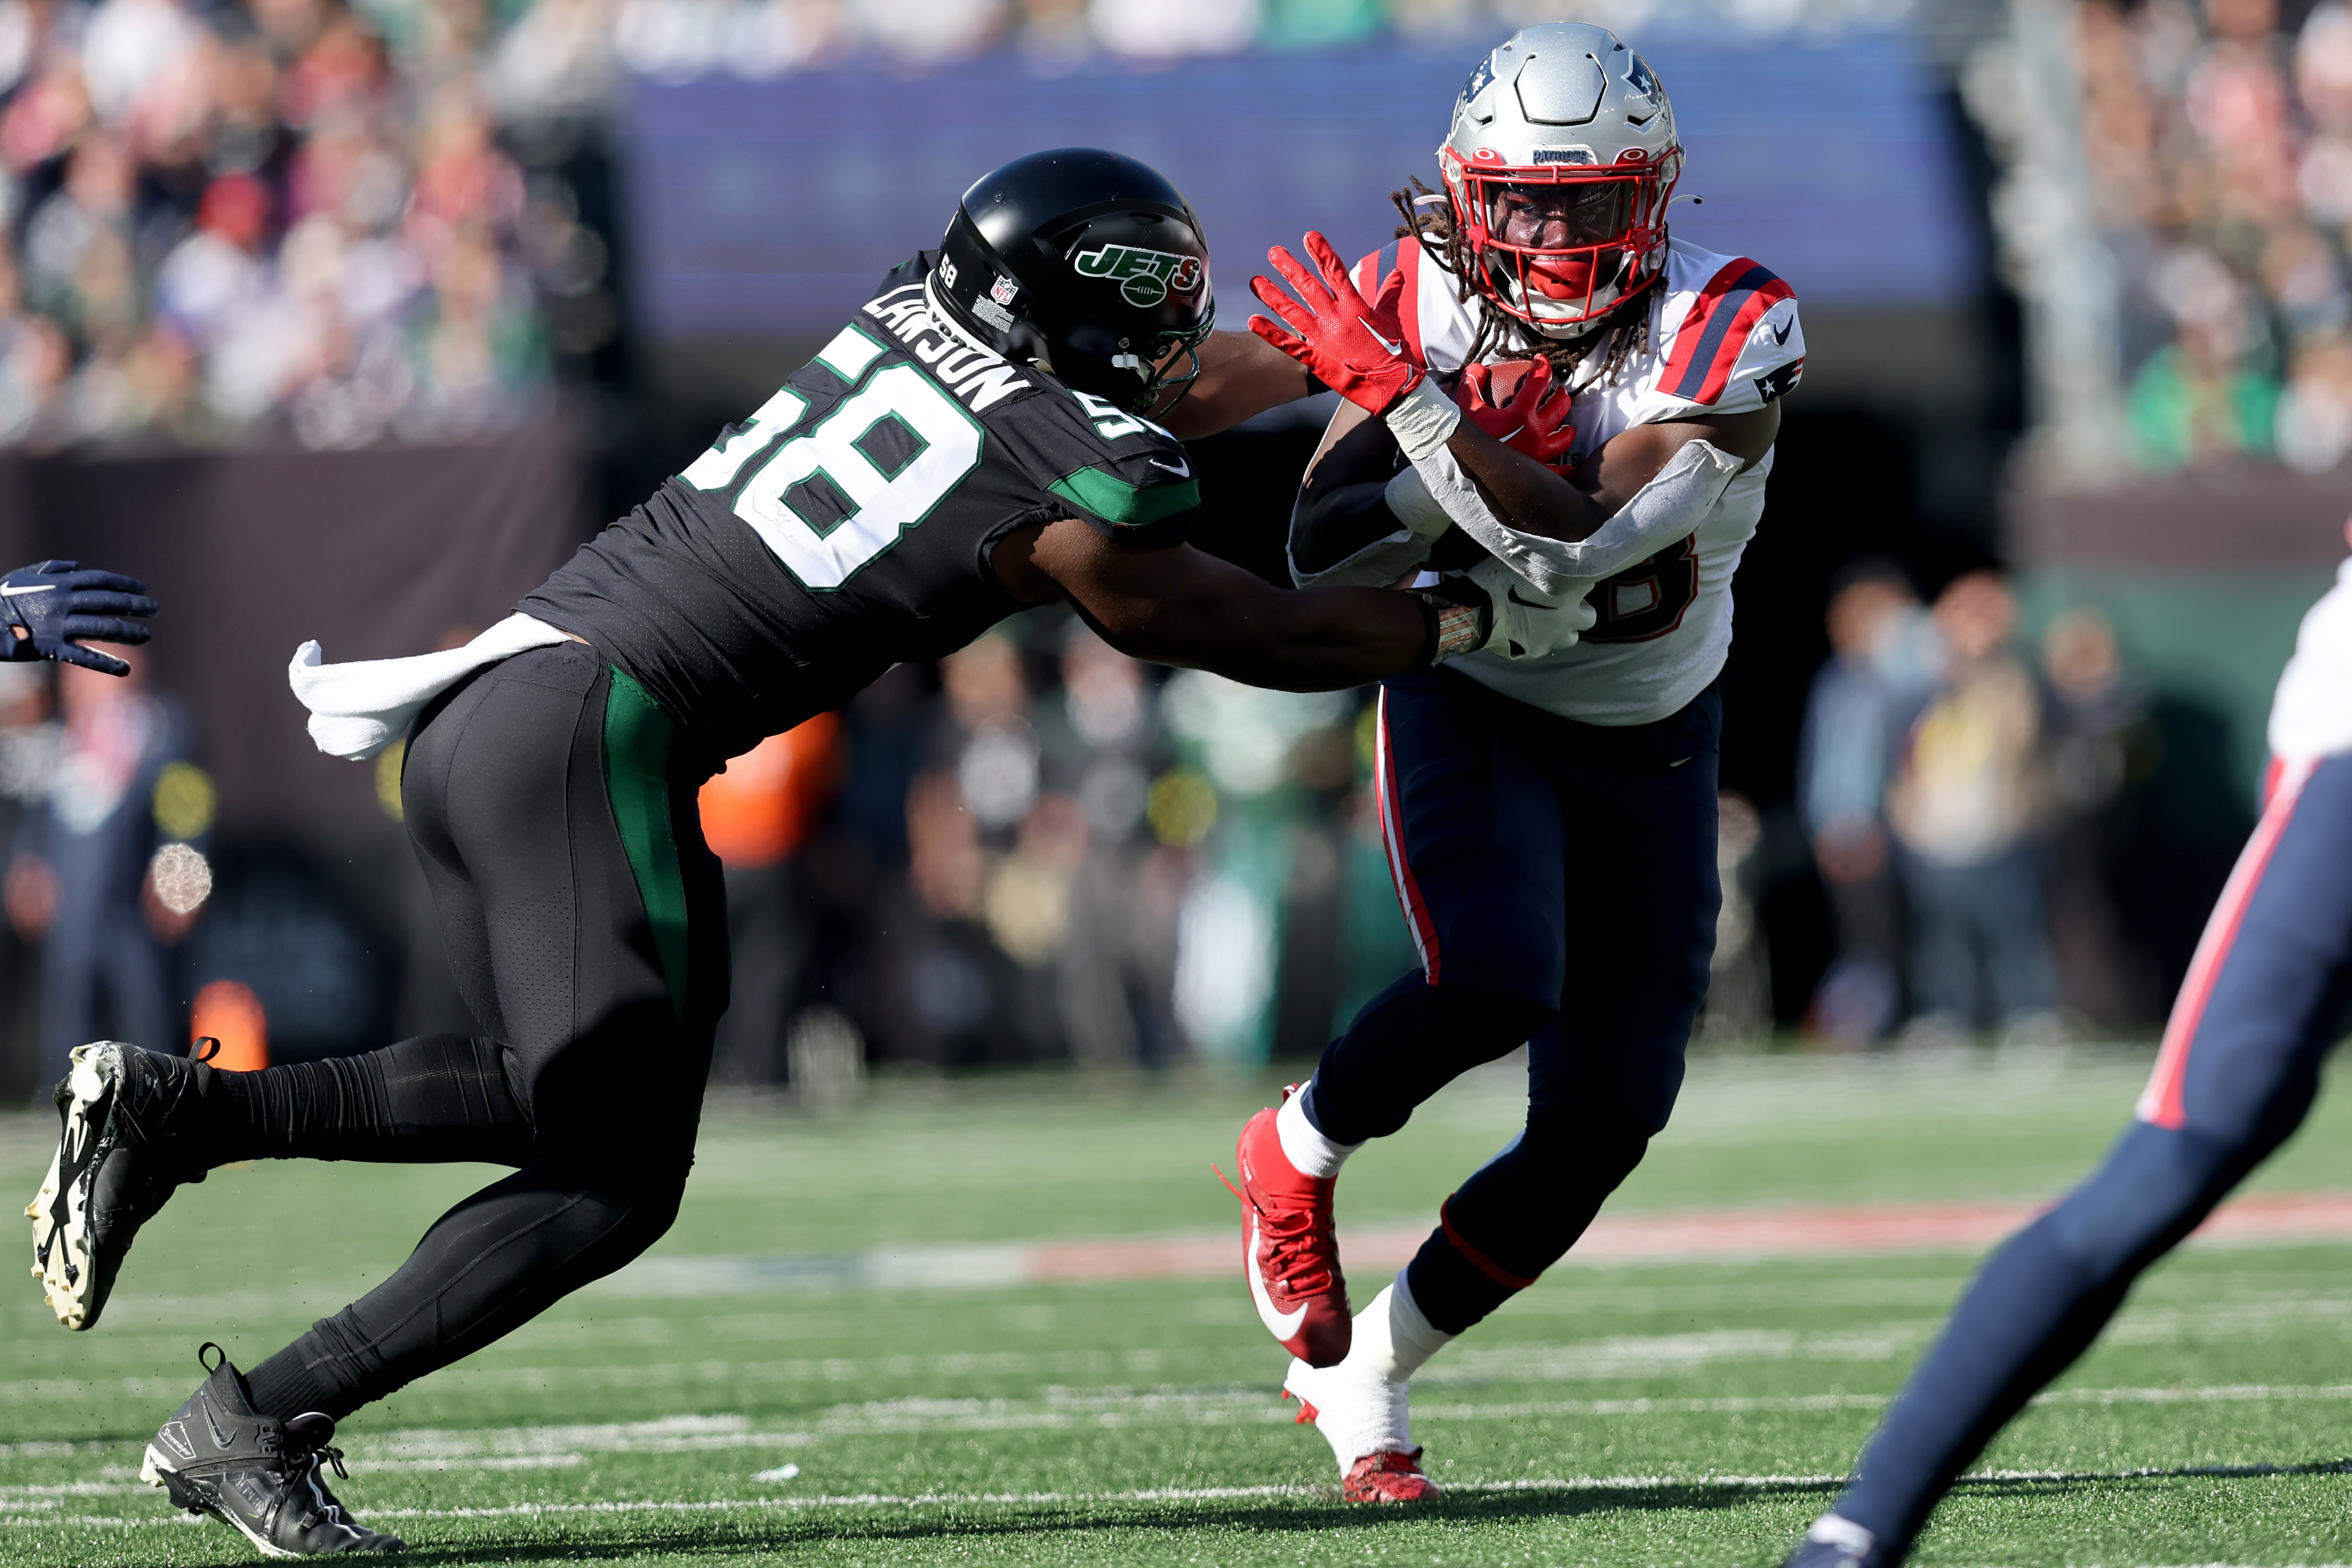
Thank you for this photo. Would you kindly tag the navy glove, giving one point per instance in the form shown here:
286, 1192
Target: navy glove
54, 603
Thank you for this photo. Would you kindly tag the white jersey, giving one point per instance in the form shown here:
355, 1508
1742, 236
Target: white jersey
2311, 715
1723, 338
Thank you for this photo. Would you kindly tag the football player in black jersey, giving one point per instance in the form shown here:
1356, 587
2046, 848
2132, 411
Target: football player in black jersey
977, 439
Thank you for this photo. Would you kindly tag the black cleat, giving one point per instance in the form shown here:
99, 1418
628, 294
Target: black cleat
1834, 1543
111, 1172
218, 1455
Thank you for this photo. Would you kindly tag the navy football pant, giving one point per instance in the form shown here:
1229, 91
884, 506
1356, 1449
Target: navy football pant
2237, 1071
1559, 879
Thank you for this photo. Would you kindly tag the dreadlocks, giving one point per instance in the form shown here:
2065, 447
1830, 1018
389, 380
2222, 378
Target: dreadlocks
1429, 220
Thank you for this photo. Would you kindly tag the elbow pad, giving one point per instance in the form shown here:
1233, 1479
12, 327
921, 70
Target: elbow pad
1669, 508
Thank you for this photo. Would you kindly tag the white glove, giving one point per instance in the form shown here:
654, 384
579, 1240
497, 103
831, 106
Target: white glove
1529, 624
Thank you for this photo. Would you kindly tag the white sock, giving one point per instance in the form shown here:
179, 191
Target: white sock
1391, 1340
1308, 1151
1363, 1406
1357, 1415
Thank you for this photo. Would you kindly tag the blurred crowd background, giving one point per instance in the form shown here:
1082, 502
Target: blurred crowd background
351, 318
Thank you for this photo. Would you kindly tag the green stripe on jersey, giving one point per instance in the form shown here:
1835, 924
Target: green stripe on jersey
636, 782
1112, 498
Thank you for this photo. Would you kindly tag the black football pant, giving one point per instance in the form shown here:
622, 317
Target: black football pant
584, 919
2263, 1003
1560, 880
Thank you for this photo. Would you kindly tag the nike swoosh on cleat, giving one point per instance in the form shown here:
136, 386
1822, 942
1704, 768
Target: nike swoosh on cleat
1281, 1324
1182, 470
220, 1439
1531, 603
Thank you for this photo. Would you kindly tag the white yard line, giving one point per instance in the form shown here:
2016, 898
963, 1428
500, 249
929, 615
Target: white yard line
560, 1446
865, 1500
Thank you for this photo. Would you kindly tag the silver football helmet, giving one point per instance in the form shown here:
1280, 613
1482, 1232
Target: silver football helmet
1558, 166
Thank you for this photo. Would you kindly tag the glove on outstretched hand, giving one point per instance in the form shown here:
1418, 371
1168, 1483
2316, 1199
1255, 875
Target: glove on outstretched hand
56, 604
1529, 622
1354, 347
1533, 421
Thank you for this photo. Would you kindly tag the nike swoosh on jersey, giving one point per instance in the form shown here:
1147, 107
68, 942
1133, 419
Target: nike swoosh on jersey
1281, 1324
1182, 470
1781, 334
13, 590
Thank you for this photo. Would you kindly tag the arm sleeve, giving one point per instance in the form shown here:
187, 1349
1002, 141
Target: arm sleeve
1669, 508
1342, 531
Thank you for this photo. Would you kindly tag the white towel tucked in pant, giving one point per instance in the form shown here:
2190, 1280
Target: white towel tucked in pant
358, 710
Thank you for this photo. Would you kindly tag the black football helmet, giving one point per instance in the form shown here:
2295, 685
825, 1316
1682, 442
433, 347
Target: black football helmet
1087, 264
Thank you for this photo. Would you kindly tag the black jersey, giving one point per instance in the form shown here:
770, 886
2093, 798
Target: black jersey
846, 525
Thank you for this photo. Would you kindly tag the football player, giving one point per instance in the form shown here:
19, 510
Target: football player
976, 440
2237, 1072
1550, 821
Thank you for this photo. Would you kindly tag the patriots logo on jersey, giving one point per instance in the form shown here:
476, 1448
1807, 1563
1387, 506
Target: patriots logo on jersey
1145, 277
1780, 379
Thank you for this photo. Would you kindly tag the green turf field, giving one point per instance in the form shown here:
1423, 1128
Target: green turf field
1685, 1413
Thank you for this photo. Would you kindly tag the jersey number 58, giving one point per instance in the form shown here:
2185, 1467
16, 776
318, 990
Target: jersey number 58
834, 497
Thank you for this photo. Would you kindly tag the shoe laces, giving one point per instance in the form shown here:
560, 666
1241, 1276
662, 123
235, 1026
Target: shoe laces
303, 1462
1299, 1247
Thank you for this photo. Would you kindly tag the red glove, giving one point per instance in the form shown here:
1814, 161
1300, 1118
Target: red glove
1535, 419
1355, 348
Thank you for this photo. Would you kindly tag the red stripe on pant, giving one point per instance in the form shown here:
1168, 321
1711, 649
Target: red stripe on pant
1408, 890
1478, 1260
2161, 1102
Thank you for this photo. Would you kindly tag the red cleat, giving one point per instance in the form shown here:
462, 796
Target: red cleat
1389, 1477
1290, 1254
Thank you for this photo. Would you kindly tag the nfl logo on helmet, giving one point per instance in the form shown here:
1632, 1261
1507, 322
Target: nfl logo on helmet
1003, 290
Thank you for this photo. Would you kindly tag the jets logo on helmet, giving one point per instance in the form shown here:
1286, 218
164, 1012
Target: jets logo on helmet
1145, 277
1025, 261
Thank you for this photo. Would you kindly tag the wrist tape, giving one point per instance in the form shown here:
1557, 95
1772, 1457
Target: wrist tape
1422, 420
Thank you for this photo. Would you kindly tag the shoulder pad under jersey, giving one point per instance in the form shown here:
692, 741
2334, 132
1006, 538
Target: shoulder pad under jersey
1727, 340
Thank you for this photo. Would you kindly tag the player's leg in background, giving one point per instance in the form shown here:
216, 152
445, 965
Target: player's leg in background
2237, 1074
1644, 895
595, 921
1473, 836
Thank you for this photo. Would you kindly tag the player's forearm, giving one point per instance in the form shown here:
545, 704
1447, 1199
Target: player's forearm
1525, 493
1240, 376
1315, 640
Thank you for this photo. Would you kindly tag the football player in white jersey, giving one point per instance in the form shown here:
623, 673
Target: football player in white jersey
2260, 1009
1550, 821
